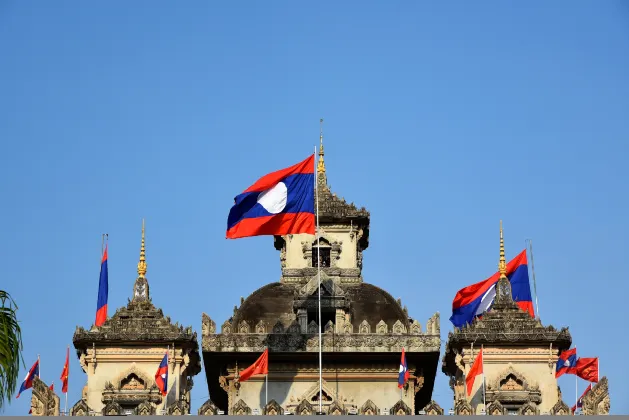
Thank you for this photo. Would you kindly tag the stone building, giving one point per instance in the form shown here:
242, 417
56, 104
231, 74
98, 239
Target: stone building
519, 361
364, 331
121, 358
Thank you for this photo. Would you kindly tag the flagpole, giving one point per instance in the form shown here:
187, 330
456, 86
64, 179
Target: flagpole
266, 389
533, 272
319, 282
67, 379
482, 359
39, 367
576, 390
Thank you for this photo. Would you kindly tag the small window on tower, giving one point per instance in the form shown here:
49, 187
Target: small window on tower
323, 254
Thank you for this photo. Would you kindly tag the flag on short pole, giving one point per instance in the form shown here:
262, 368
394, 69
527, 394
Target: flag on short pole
65, 373
404, 373
103, 292
279, 203
475, 370
587, 368
161, 376
28, 380
259, 367
567, 363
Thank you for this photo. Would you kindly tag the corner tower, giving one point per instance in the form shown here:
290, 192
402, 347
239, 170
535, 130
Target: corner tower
121, 357
363, 330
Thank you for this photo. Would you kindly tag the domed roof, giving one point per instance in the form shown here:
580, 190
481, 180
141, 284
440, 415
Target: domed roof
275, 302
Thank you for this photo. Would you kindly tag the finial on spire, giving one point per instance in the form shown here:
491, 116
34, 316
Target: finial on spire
321, 164
142, 263
502, 265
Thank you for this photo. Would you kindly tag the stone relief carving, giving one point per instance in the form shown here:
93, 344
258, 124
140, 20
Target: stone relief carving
401, 409
597, 401
433, 409
313, 327
178, 408
44, 401
399, 328
528, 408
261, 327
145, 409
364, 327
273, 409
226, 328
416, 328
112, 409
294, 328
80, 408
278, 328
208, 326
304, 408
348, 328
382, 328
496, 409
336, 409
462, 408
241, 409
243, 327
369, 409
329, 327
208, 409
560, 409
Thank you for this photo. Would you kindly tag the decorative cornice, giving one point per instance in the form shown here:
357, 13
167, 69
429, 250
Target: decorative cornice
245, 343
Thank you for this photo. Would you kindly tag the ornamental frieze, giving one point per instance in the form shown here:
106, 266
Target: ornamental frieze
310, 343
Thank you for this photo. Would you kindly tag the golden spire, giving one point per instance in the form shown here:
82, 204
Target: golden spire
502, 265
142, 263
321, 164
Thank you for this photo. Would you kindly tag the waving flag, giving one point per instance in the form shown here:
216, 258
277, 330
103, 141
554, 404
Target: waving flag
65, 373
587, 368
279, 203
28, 380
404, 373
259, 367
475, 370
474, 300
161, 376
567, 363
103, 292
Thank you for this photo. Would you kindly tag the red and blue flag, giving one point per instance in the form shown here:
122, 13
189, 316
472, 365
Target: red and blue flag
103, 292
579, 403
474, 300
279, 203
404, 373
161, 376
28, 380
567, 363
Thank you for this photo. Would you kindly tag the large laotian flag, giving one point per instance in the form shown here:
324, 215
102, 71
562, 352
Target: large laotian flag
474, 300
279, 203
404, 373
567, 363
103, 292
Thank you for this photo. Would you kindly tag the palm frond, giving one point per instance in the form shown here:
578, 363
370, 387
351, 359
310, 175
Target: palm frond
10, 348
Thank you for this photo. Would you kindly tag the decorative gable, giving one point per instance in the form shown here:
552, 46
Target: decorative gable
273, 409
208, 409
369, 409
401, 409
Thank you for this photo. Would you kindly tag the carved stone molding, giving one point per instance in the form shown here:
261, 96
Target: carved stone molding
178, 408
597, 401
304, 408
369, 409
261, 327
364, 327
226, 328
112, 409
496, 409
273, 409
44, 401
145, 409
336, 409
512, 387
528, 409
399, 328
416, 328
433, 409
560, 409
310, 342
241, 409
133, 379
382, 327
400, 409
463, 408
243, 327
208, 409
80, 408
208, 326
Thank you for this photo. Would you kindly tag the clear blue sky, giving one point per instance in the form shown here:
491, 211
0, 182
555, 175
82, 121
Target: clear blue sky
440, 117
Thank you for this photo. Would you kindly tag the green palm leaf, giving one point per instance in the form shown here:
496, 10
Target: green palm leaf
10, 347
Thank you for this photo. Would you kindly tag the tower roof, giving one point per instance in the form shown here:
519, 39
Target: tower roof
140, 322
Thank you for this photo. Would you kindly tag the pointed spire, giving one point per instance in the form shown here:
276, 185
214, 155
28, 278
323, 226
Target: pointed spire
321, 164
502, 265
142, 263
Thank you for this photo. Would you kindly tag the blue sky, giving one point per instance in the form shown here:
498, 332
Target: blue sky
440, 117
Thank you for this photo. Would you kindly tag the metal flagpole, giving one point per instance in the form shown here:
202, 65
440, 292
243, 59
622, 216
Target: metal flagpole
482, 360
319, 281
39, 367
266, 389
576, 390
533, 272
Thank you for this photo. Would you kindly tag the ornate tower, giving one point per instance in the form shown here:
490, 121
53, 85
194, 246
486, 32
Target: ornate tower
519, 356
364, 330
121, 358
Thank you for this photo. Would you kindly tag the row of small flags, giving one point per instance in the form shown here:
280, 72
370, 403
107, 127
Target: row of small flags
161, 376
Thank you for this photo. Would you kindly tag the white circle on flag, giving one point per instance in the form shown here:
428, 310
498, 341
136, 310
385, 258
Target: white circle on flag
274, 199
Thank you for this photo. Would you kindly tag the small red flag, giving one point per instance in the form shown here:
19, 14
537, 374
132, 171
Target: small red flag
475, 370
259, 367
587, 368
65, 373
